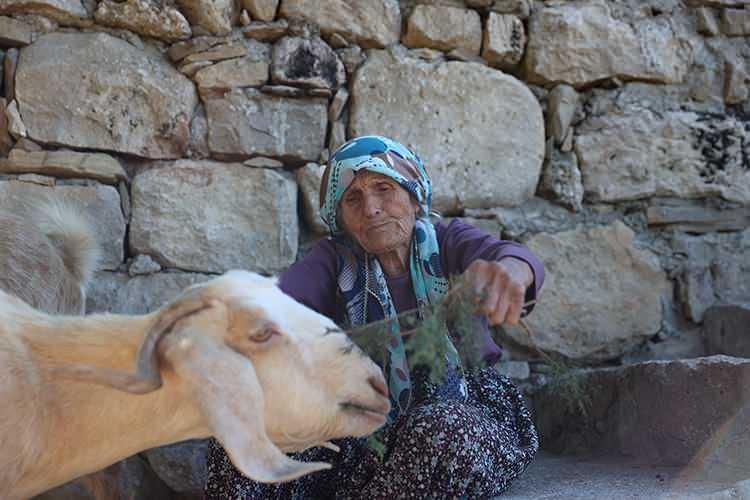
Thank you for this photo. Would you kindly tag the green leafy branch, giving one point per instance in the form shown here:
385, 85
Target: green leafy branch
426, 345
564, 378
426, 340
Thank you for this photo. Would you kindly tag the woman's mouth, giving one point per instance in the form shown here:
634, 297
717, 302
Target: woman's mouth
378, 226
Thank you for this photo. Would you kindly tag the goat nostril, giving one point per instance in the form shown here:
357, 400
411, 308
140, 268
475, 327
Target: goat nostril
379, 386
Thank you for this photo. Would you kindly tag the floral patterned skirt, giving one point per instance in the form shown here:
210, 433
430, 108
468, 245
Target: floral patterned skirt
438, 449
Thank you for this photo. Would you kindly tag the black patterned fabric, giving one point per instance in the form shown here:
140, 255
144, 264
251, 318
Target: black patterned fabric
443, 447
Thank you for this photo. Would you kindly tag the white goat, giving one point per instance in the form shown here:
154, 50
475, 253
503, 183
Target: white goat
233, 357
47, 255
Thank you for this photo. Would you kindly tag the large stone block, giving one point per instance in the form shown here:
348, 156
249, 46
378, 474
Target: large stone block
92, 90
308, 63
14, 33
602, 295
210, 17
119, 293
309, 178
97, 166
483, 143
101, 205
245, 71
640, 153
369, 23
245, 122
213, 217
65, 12
735, 22
145, 18
504, 40
716, 271
444, 28
581, 43
262, 10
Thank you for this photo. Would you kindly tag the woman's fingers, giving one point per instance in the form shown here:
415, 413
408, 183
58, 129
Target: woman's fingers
500, 289
515, 308
492, 293
497, 317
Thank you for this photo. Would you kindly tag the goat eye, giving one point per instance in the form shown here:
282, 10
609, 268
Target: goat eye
263, 335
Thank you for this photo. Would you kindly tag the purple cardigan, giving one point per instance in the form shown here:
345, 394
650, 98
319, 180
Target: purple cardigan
313, 280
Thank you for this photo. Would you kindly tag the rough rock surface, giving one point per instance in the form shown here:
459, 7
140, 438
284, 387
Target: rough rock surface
181, 466
561, 179
210, 17
66, 12
213, 217
725, 329
6, 141
106, 95
261, 10
309, 178
483, 144
122, 294
248, 71
444, 28
504, 40
97, 166
644, 153
145, 17
582, 43
14, 33
370, 23
717, 271
308, 63
247, 123
602, 295
662, 412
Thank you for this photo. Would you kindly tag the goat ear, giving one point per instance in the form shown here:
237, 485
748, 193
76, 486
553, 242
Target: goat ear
230, 397
147, 377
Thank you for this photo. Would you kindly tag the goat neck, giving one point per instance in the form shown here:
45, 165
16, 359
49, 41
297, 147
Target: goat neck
119, 424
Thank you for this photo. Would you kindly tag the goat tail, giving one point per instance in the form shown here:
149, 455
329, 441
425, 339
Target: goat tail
72, 234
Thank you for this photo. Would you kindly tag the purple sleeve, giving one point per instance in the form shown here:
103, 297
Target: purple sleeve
312, 280
461, 244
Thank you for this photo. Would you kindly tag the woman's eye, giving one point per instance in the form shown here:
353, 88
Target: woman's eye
264, 335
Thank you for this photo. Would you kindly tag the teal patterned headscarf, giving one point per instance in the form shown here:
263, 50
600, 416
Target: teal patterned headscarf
361, 279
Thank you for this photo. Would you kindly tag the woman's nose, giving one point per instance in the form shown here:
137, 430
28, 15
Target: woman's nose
371, 206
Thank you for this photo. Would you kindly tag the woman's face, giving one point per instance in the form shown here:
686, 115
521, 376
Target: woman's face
378, 213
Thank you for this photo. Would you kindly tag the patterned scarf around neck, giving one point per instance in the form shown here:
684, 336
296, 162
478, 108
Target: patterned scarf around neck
361, 279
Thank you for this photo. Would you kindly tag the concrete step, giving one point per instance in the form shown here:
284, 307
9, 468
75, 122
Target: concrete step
597, 478
660, 412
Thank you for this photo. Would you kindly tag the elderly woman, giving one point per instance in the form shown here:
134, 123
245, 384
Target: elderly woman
470, 435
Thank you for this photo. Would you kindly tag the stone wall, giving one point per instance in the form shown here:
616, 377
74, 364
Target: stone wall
612, 137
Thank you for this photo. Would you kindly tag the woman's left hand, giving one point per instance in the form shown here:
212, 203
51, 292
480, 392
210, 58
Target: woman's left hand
501, 287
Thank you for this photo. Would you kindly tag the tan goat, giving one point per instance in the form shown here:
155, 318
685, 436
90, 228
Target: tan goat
234, 357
